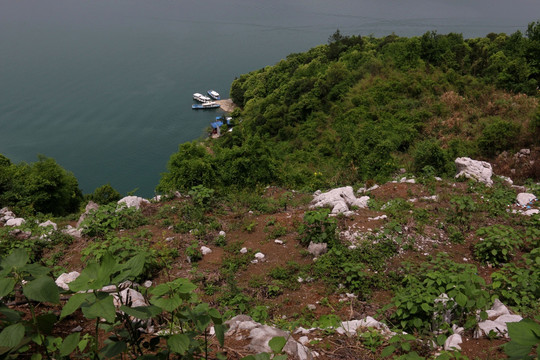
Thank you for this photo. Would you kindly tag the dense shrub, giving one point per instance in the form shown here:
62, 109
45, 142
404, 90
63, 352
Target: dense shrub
498, 135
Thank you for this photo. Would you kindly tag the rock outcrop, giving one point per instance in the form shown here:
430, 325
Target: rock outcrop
339, 200
473, 169
133, 201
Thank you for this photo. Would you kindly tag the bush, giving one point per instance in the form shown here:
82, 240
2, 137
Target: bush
497, 245
108, 218
430, 153
105, 194
498, 135
318, 227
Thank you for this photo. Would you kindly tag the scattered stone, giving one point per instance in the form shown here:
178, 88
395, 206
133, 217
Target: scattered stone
339, 200
259, 256
311, 307
531, 212
380, 217
206, 250
303, 340
222, 233
157, 198
169, 239
147, 283
63, 280
452, 343
48, 223
430, 198
317, 249
277, 241
244, 328
507, 180
15, 222
6, 214
77, 329
473, 169
133, 201
525, 152
524, 199
374, 187
409, 181
438, 178
243, 250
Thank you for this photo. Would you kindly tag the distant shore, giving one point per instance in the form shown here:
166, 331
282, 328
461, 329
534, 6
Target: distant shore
227, 105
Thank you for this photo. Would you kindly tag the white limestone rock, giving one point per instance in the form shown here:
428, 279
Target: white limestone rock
317, 249
351, 327
49, 223
91, 206
498, 326
205, 250
15, 222
452, 343
130, 298
339, 200
524, 199
243, 250
64, 279
531, 212
259, 256
133, 201
244, 328
474, 169
497, 309
71, 231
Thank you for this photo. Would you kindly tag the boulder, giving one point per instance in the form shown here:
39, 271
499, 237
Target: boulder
524, 199
498, 326
91, 206
6, 214
339, 200
71, 231
64, 279
15, 222
497, 309
244, 328
317, 249
452, 343
205, 250
133, 201
474, 169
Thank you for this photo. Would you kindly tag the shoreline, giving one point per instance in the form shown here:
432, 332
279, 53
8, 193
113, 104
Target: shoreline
226, 104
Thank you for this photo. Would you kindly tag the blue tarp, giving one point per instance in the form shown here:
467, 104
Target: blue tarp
216, 124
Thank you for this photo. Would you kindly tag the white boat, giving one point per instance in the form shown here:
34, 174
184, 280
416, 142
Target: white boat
201, 98
213, 94
205, 105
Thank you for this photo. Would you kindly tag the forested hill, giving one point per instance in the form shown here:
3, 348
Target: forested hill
359, 108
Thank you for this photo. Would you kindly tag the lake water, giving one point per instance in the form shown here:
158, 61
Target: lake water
104, 86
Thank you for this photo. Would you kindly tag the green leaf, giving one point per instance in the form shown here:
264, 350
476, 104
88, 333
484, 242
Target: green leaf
417, 323
113, 349
17, 259
103, 308
42, 289
35, 270
69, 344
524, 332
461, 299
406, 346
12, 335
36, 357
46, 323
280, 357
74, 303
168, 304
178, 343
387, 351
141, 312
220, 333
6, 286
277, 343
425, 307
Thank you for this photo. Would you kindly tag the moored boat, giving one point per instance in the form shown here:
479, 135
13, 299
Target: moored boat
201, 98
213, 94
205, 105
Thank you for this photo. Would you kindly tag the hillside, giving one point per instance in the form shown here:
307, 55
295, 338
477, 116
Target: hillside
331, 211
